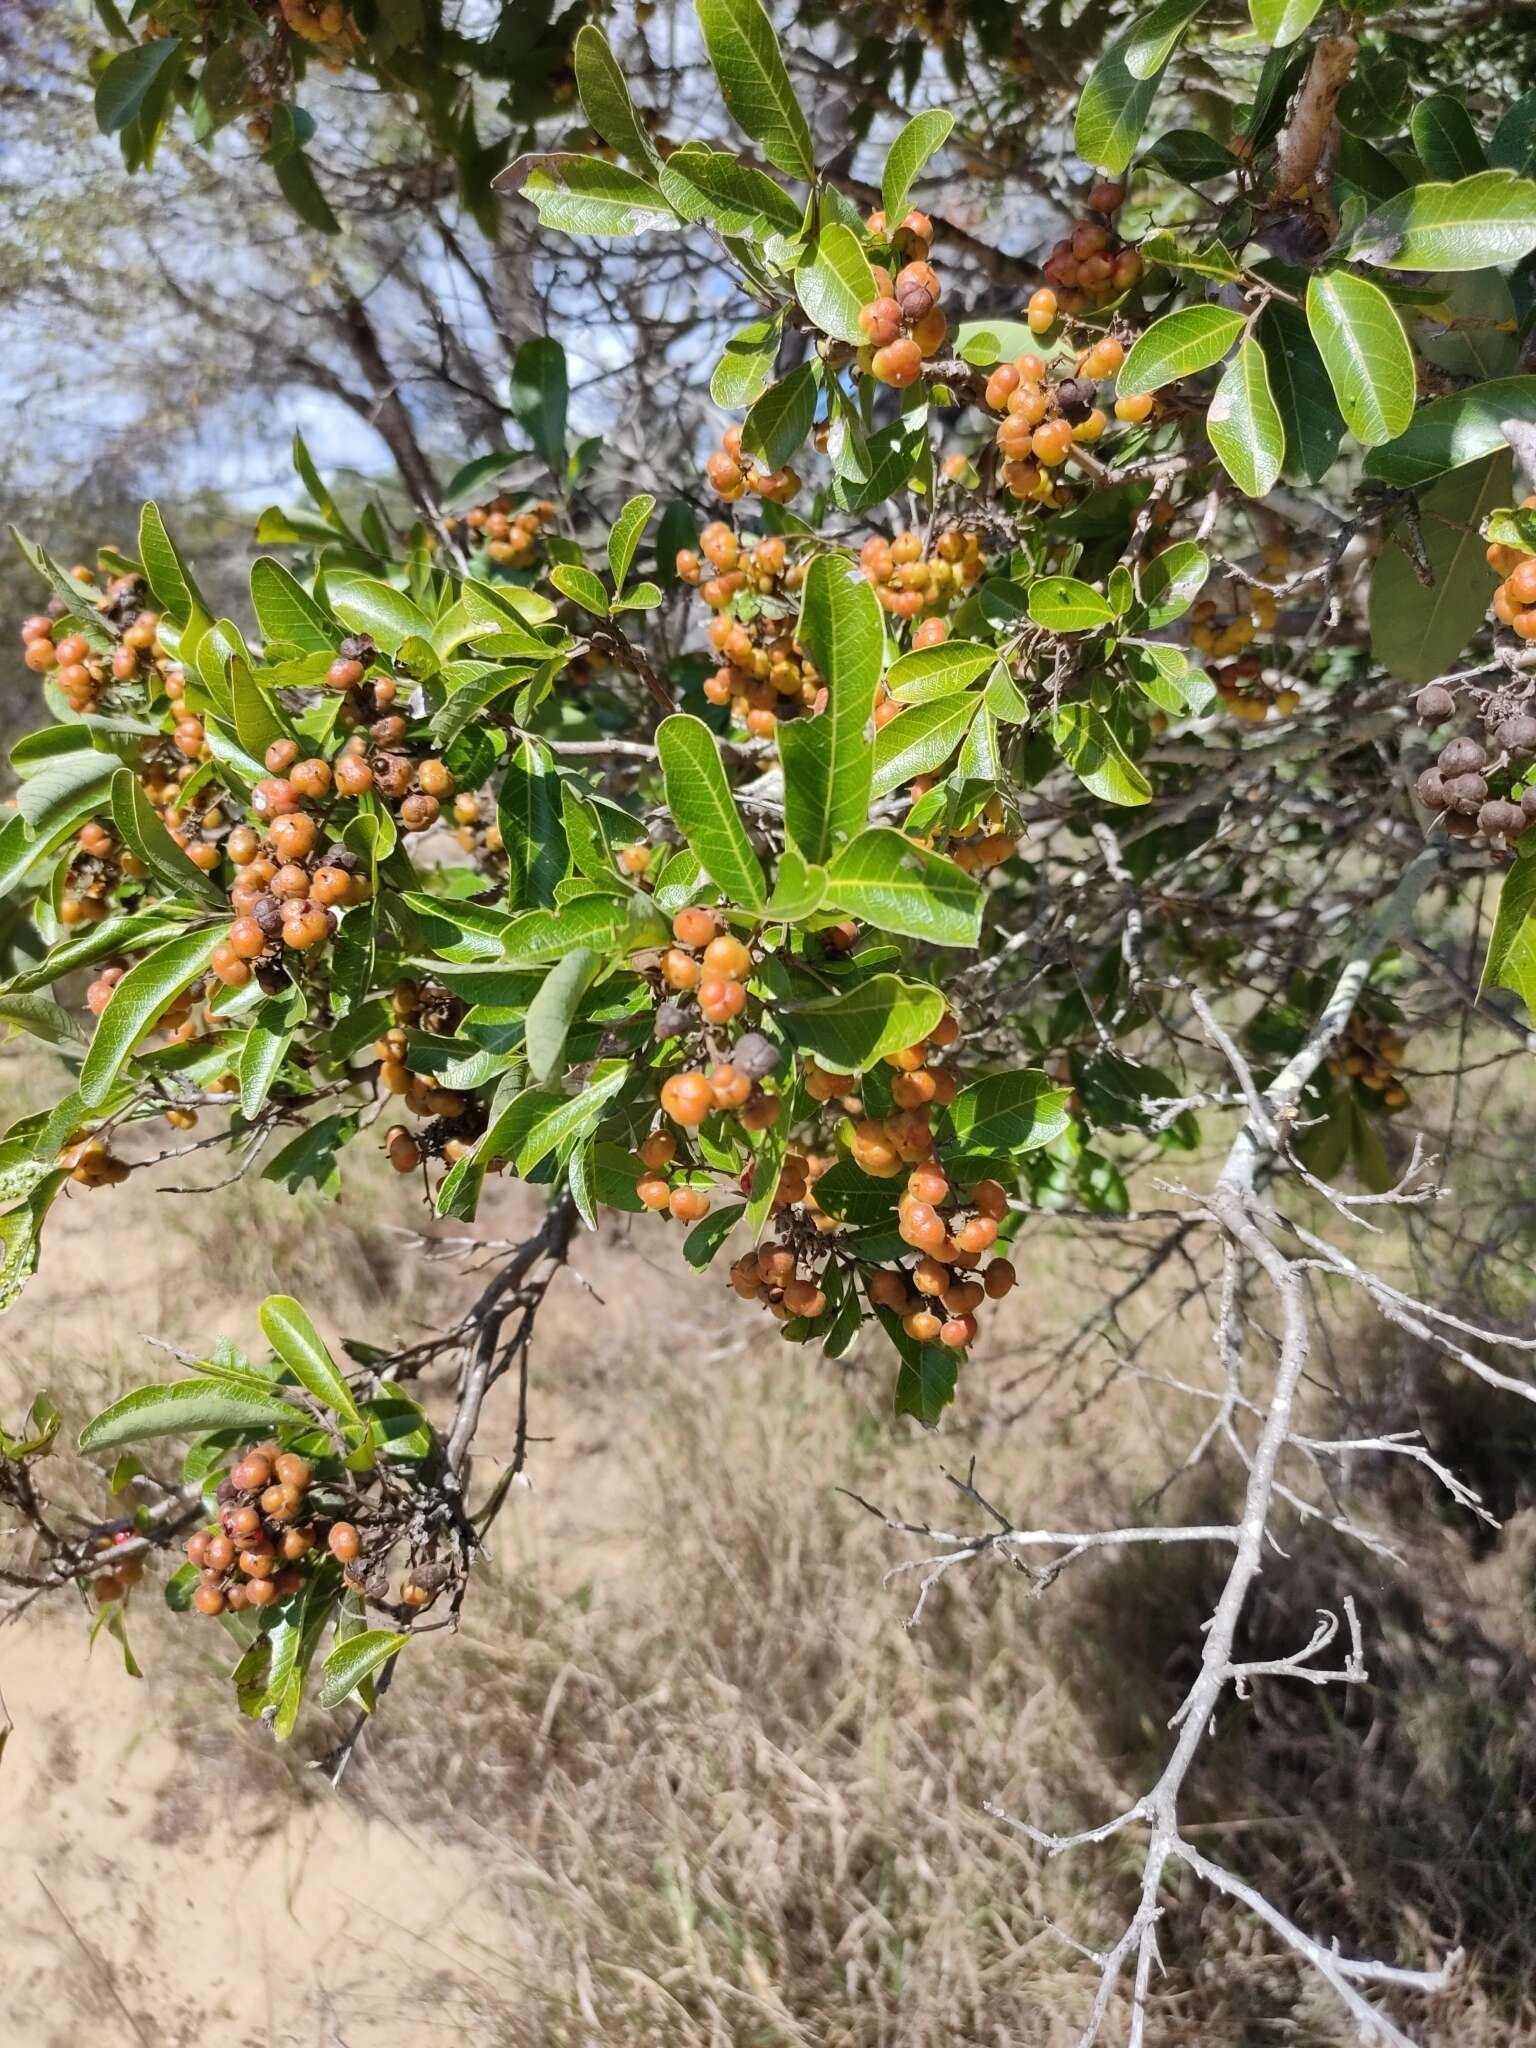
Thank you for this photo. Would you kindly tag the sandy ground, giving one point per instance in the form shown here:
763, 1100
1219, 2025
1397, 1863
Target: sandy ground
160, 1894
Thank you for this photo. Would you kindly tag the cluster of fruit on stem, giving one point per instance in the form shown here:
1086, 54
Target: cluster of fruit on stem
918, 579
1514, 602
452, 1120
1225, 633
752, 594
117, 1577
80, 674
1091, 266
254, 1555
509, 535
903, 324
1045, 417
732, 472
1371, 1052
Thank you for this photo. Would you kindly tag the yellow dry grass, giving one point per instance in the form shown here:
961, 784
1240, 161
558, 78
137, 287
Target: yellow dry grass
683, 1777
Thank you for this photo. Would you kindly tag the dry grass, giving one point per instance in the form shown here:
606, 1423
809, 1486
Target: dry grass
706, 1787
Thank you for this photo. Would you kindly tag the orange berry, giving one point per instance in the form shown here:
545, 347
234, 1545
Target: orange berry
686, 1098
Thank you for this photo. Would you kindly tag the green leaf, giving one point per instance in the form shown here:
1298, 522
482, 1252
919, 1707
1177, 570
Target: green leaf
587, 195
738, 199
553, 1009
828, 760
139, 825
1088, 745
148, 988
710, 184
1191, 156
1061, 604
1191, 259
128, 80
835, 281
1244, 425
286, 611
529, 814
884, 880
1445, 138
539, 395
261, 1055
175, 592
605, 97
298, 184
704, 811
1177, 346
1454, 430
79, 599
706, 1237
754, 83
1365, 353
1113, 107
43, 1018
1298, 381
1475, 330
798, 890
925, 1383
1155, 36
625, 536
385, 614
65, 790
1280, 22
540, 935
858, 1026
1479, 221
354, 1661
1513, 147
1418, 631
467, 484
1171, 580
294, 1640
921, 139
780, 420
745, 370
582, 587
920, 740
938, 671
288, 1329
184, 1408
1511, 961
1010, 1113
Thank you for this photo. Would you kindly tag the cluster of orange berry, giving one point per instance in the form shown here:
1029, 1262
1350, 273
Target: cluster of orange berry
986, 844
253, 1556
1044, 418
763, 674
951, 1236
456, 1120
325, 23
93, 1164
81, 675
511, 537
910, 579
1514, 602
288, 884
1243, 693
113, 1582
1092, 266
771, 1277
94, 874
1222, 633
1371, 1054
732, 472
903, 325
475, 826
